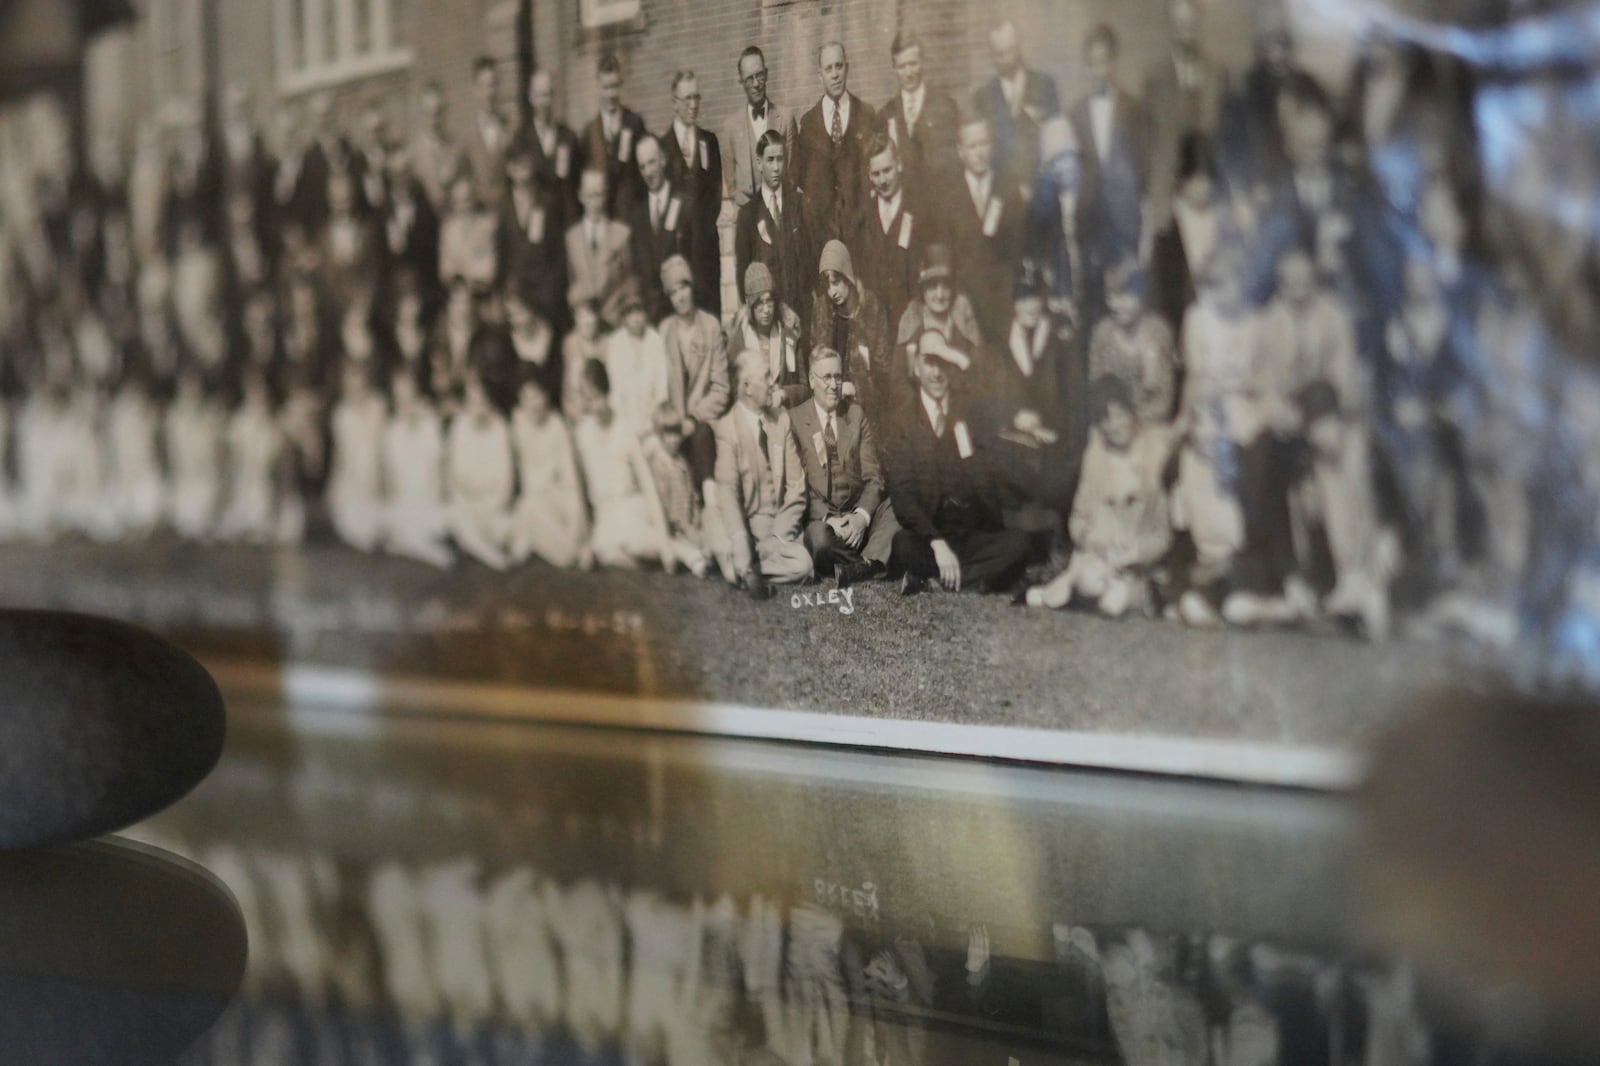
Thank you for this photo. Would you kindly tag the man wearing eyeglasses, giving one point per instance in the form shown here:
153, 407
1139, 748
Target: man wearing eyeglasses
849, 525
693, 159
742, 166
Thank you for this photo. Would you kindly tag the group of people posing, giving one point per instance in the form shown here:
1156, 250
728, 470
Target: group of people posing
1215, 349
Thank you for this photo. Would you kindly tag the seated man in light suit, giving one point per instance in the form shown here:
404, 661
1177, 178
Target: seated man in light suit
599, 248
850, 526
761, 485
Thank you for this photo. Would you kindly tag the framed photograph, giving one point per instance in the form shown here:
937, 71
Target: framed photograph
1175, 385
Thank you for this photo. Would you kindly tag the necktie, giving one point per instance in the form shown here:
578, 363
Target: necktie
830, 444
761, 441
938, 421
837, 132
655, 213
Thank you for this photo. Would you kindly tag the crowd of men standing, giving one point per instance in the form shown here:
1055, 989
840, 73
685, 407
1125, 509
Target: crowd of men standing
1205, 347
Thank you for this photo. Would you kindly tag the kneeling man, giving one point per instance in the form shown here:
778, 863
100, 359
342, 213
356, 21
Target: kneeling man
760, 484
850, 526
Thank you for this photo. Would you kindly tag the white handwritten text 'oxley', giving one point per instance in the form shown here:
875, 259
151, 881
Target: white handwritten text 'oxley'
844, 599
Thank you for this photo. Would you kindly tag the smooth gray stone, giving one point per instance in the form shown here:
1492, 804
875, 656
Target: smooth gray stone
101, 725
112, 952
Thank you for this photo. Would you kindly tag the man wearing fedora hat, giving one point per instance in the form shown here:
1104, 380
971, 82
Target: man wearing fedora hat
937, 305
940, 478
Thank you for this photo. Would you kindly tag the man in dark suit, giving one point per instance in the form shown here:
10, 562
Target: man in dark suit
849, 526
741, 165
831, 145
557, 158
408, 227
610, 138
984, 224
1016, 101
530, 242
921, 121
694, 163
775, 229
940, 478
1183, 93
488, 136
1109, 127
661, 221
1033, 386
891, 231
301, 184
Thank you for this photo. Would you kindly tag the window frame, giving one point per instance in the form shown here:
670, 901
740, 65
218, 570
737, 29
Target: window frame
345, 64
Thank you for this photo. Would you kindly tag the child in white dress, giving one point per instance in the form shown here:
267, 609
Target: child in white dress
550, 519
1120, 526
133, 430
44, 430
193, 432
480, 477
355, 479
255, 455
629, 527
413, 467
90, 503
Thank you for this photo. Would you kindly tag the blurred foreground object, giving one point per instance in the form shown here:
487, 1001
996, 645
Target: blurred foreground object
1483, 855
101, 725
112, 952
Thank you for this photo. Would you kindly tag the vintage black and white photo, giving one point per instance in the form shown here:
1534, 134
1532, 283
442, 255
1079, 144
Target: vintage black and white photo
1212, 369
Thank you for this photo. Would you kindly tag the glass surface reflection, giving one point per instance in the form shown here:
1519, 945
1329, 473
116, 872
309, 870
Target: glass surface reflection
111, 952
454, 892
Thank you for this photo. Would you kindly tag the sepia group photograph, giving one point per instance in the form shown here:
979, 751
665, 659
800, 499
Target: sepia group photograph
1176, 385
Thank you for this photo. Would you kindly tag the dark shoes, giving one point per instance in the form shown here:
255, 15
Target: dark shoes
855, 573
756, 585
911, 584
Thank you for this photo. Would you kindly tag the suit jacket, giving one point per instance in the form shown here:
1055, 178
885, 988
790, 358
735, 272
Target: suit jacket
928, 148
700, 180
600, 271
531, 250
1173, 113
1172, 283
1016, 136
1113, 191
487, 164
940, 485
853, 477
436, 161
559, 169
987, 247
653, 246
787, 247
889, 261
697, 354
615, 156
756, 486
870, 363
833, 177
410, 244
740, 174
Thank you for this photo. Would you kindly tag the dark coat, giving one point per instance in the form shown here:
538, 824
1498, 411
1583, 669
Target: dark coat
699, 181
834, 177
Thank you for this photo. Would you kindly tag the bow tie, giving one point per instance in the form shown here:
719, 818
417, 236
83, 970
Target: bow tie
758, 112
